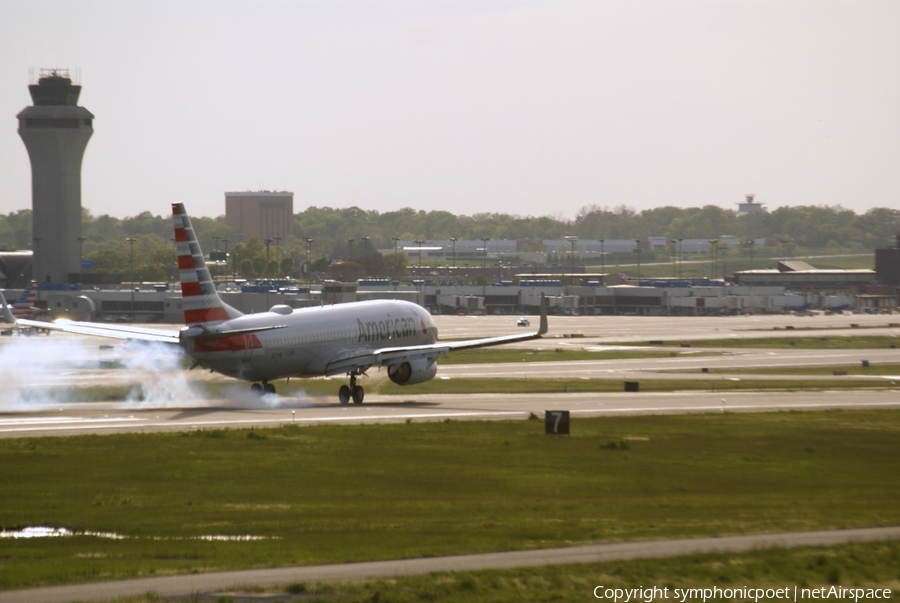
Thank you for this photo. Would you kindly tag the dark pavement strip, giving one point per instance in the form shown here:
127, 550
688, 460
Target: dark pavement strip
226, 581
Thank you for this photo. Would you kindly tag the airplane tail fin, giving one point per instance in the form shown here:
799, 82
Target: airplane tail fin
27, 300
200, 299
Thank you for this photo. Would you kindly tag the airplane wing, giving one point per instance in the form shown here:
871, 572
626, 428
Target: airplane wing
359, 362
104, 330
350, 363
116, 331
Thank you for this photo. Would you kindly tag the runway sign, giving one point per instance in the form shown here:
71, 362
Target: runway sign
556, 422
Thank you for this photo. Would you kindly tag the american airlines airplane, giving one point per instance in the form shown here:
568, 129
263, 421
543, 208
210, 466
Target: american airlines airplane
332, 340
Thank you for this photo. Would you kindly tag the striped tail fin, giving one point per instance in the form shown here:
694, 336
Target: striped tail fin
200, 300
26, 305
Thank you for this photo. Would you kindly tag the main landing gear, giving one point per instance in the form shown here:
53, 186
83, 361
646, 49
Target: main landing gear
352, 391
265, 388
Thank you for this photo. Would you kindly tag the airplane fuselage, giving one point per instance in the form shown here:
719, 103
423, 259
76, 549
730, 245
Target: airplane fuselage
308, 339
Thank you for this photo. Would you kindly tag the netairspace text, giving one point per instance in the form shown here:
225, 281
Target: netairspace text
787, 593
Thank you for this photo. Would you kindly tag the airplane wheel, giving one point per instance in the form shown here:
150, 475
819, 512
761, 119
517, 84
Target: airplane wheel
357, 394
344, 394
269, 388
256, 388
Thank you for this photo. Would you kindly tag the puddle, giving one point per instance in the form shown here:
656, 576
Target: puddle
45, 532
48, 532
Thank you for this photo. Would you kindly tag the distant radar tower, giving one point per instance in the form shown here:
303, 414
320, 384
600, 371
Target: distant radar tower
56, 131
749, 206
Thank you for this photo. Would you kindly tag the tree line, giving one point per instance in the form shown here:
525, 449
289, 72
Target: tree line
152, 257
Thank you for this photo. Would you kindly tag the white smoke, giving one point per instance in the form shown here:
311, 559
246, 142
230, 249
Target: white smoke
39, 372
44, 372
33, 370
159, 379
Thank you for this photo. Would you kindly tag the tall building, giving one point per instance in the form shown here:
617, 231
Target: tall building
262, 215
56, 131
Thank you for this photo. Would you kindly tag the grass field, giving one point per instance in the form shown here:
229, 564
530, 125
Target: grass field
336, 494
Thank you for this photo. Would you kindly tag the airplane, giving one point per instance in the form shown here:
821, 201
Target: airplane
24, 306
282, 343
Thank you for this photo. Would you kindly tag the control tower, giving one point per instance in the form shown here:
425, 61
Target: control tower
55, 131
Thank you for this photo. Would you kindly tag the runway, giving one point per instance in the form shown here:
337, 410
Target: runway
105, 417
38, 373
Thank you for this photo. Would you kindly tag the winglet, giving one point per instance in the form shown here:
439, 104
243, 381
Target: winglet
544, 327
5, 312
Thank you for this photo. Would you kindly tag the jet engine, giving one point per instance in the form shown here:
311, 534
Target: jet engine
410, 373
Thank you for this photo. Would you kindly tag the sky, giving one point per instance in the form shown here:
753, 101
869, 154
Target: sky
523, 107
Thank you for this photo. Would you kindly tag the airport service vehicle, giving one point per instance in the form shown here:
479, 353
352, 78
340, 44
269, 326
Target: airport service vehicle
282, 343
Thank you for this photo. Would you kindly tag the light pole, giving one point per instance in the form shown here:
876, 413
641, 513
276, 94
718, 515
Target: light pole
674, 262
484, 241
637, 243
309, 241
216, 256
602, 258
266, 272
278, 254
419, 243
572, 241
679, 258
81, 258
453, 240
131, 270
350, 248
396, 264
713, 250
725, 260
35, 273
365, 244
226, 241
268, 280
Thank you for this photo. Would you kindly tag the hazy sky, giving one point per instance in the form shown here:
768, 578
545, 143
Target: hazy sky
525, 107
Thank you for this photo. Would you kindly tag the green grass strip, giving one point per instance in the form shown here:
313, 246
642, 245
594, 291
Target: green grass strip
856, 342
329, 494
508, 355
886, 370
